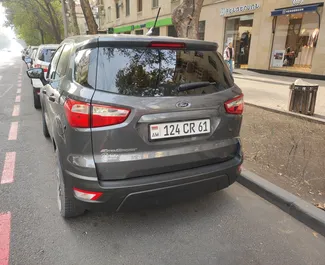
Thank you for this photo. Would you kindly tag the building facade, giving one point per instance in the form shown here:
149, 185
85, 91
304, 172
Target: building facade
274, 35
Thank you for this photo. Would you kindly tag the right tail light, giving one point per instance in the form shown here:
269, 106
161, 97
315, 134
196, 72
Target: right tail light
85, 115
235, 105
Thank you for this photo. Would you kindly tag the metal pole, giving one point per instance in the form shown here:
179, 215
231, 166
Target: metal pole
65, 20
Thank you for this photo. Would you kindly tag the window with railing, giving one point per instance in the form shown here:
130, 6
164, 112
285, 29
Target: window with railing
109, 14
117, 7
127, 7
201, 30
155, 3
139, 5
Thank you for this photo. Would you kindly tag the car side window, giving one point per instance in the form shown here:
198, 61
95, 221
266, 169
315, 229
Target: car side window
63, 64
54, 63
85, 67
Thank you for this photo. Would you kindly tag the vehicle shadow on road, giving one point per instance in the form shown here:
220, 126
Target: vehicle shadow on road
154, 219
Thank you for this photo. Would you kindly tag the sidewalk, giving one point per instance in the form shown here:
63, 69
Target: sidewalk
273, 91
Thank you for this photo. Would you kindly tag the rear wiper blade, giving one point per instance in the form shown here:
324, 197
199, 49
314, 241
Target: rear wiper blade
194, 85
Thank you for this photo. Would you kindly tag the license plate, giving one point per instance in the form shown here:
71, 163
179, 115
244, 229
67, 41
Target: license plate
179, 129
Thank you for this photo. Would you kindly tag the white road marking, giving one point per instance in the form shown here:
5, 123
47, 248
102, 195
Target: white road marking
9, 87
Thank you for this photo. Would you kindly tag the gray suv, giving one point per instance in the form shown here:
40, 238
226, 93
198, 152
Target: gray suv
135, 120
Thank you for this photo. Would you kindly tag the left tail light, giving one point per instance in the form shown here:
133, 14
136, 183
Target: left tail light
235, 105
84, 115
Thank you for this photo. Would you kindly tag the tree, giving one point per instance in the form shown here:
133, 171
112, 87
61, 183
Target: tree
36, 21
89, 17
186, 18
73, 22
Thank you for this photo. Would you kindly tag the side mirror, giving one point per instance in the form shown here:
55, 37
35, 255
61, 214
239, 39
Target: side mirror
37, 73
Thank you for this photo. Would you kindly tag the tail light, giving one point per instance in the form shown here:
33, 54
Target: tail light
77, 113
45, 70
106, 115
85, 115
87, 195
235, 105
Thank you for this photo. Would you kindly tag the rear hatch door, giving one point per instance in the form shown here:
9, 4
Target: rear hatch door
160, 108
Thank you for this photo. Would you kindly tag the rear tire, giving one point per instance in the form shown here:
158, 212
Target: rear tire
37, 101
67, 204
45, 130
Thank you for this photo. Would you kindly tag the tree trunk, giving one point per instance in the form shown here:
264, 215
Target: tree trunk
41, 33
89, 17
186, 18
73, 15
64, 17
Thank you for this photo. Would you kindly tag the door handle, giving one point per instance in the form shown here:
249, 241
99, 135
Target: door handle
44, 92
52, 98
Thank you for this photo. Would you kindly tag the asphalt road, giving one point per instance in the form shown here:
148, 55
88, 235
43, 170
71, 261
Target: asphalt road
233, 226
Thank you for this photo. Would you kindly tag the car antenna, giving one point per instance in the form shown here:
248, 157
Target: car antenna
149, 33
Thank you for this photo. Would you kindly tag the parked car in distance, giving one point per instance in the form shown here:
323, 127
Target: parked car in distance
42, 60
32, 57
136, 119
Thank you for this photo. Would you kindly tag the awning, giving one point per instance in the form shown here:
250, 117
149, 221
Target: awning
296, 9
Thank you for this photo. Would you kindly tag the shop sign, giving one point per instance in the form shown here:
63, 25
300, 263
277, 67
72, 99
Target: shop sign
232, 10
278, 58
293, 10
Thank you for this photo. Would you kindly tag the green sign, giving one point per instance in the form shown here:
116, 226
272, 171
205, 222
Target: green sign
160, 23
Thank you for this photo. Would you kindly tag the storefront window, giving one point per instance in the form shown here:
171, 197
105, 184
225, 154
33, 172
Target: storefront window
139, 32
156, 32
239, 32
295, 41
172, 31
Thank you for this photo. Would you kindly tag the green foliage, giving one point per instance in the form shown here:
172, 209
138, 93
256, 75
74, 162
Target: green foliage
32, 20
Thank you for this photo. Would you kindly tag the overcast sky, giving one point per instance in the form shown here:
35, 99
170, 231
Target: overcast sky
7, 35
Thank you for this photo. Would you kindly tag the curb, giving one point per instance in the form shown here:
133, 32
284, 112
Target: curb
291, 204
289, 74
291, 114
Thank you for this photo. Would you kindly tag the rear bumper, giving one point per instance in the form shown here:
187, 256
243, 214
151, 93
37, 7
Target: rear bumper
145, 191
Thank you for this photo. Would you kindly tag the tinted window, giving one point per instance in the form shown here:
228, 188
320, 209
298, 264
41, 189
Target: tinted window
63, 62
54, 62
45, 54
85, 67
156, 72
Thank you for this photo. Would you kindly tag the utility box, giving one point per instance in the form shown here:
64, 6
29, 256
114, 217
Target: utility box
302, 97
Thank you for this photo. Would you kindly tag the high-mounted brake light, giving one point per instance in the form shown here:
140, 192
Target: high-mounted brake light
235, 105
169, 45
85, 115
87, 195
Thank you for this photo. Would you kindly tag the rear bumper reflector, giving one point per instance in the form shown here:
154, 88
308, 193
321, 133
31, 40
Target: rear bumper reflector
87, 195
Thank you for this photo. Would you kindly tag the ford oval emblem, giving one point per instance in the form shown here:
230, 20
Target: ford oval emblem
183, 104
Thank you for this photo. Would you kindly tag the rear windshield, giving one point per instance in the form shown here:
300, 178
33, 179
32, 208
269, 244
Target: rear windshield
147, 72
45, 54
